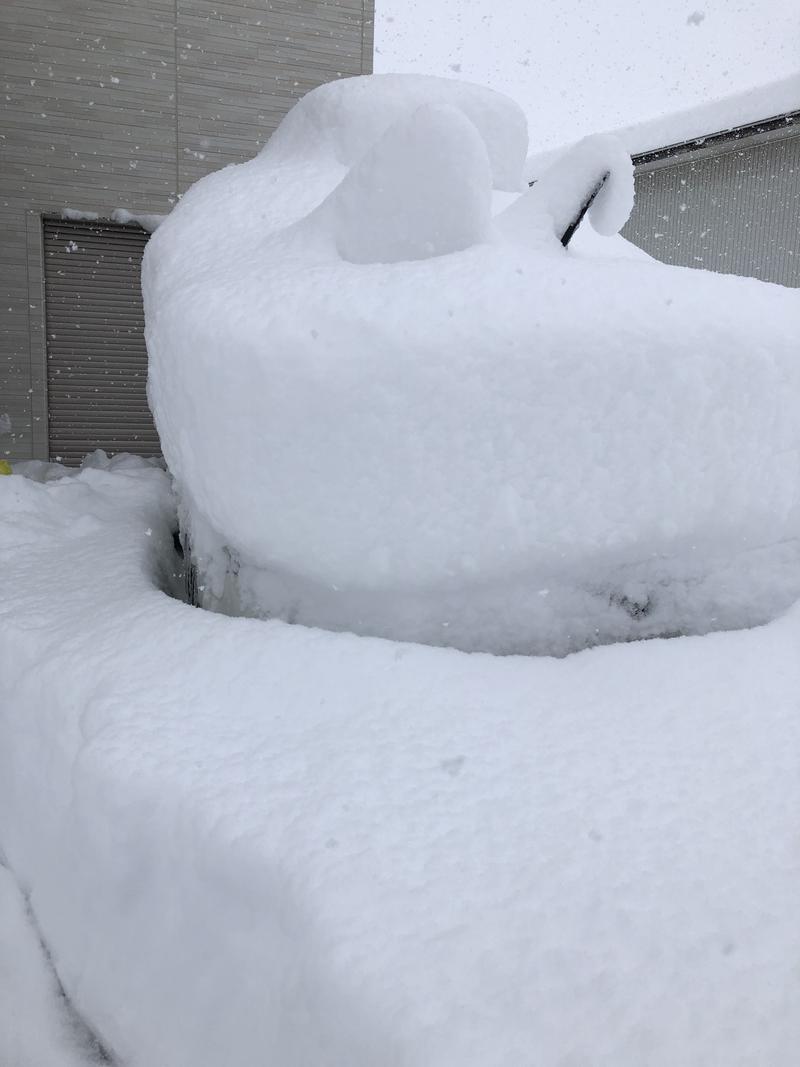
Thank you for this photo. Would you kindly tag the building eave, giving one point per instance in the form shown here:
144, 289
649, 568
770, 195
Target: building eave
733, 139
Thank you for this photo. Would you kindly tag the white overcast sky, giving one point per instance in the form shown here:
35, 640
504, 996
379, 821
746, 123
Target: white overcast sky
578, 66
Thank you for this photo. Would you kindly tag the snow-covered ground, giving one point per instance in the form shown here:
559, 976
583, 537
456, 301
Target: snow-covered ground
37, 1028
249, 842
393, 402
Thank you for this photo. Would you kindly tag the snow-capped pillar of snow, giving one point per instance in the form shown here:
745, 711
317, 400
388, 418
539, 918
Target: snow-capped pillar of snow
423, 190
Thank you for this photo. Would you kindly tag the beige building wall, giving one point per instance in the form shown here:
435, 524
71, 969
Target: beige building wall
110, 104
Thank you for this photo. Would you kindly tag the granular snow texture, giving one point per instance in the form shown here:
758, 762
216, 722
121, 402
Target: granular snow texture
247, 842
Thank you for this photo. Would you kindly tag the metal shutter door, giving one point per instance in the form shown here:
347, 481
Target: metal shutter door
96, 355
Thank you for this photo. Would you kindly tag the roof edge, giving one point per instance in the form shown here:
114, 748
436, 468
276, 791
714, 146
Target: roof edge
779, 126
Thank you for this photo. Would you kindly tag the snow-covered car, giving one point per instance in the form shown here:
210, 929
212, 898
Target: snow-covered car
393, 402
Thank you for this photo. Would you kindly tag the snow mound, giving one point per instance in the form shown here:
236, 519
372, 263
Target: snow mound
249, 843
337, 123
389, 412
423, 190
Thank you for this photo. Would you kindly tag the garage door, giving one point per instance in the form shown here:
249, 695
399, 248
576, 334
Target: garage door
96, 355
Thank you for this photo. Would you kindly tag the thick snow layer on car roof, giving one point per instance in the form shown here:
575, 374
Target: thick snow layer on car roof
672, 70
391, 412
249, 842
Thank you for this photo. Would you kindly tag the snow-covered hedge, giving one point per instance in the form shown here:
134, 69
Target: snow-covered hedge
395, 404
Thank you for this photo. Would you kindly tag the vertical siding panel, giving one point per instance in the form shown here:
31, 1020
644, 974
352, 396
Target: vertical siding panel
737, 213
367, 36
87, 123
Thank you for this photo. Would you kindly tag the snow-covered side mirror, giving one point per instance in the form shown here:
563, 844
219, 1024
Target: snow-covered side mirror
595, 177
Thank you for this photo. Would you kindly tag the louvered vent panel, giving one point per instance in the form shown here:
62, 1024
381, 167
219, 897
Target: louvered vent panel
96, 355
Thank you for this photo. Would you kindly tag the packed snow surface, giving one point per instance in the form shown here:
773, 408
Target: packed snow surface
36, 1027
245, 842
390, 410
770, 100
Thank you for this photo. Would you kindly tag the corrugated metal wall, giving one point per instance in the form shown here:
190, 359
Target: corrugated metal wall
123, 104
737, 213
96, 355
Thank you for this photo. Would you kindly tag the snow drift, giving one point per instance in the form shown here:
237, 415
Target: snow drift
391, 408
36, 1028
249, 843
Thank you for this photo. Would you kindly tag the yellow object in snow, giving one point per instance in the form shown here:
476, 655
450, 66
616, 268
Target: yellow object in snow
5, 467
